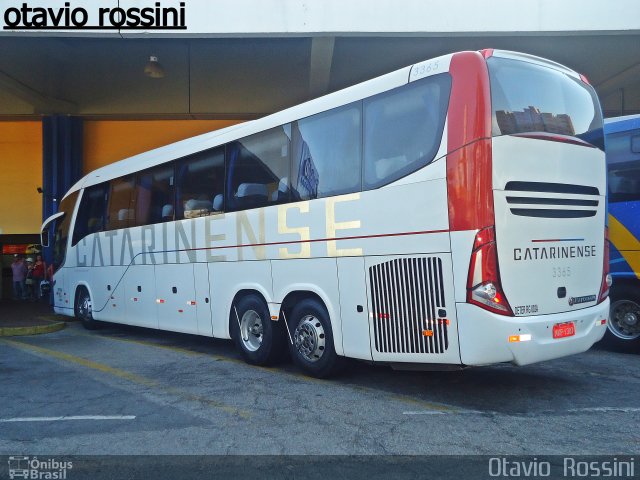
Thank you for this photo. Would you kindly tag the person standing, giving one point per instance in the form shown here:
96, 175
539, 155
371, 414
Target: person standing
38, 274
19, 271
30, 292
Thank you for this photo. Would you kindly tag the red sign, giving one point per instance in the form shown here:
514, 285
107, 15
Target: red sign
11, 249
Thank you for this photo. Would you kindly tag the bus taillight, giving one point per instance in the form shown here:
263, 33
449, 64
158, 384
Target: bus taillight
483, 284
606, 276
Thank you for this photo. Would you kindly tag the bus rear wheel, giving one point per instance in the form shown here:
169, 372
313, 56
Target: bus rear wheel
260, 340
623, 329
84, 309
312, 347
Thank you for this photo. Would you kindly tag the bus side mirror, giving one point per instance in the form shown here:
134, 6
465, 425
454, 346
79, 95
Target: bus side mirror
44, 237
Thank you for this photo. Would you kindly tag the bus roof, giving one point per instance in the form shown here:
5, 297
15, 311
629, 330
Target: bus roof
621, 124
215, 138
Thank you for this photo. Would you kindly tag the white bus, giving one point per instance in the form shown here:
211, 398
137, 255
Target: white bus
448, 213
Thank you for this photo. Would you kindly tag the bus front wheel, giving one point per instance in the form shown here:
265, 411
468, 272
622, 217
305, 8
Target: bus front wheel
260, 340
84, 309
312, 346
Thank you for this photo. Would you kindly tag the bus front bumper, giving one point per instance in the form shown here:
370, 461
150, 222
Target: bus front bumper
487, 338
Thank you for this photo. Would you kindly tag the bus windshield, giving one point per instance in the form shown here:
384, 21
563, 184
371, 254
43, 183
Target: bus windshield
61, 233
527, 97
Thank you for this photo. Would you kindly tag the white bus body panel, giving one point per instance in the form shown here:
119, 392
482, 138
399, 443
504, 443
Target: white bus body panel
531, 250
140, 296
175, 289
96, 281
484, 336
111, 304
62, 302
203, 298
353, 294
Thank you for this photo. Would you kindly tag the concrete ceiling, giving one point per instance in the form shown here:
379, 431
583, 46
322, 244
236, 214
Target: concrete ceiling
250, 77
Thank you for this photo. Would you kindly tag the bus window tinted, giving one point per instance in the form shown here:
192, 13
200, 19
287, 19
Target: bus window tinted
259, 169
155, 195
623, 167
327, 153
200, 184
121, 213
403, 129
91, 215
61, 234
527, 97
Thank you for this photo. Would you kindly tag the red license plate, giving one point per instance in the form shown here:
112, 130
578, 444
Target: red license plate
561, 330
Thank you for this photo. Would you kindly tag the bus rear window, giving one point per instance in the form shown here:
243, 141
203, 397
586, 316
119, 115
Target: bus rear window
526, 97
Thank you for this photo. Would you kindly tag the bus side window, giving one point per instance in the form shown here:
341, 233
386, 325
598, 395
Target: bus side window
403, 129
121, 211
258, 169
155, 195
326, 153
199, 181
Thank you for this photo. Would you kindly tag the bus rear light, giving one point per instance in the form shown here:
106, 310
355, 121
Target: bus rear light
606, 276
584, 79
483, 283
488, 296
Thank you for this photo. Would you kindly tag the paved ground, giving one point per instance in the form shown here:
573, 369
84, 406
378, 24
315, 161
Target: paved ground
137, 391
26, 314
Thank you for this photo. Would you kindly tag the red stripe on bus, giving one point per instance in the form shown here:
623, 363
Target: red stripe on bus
294, 242
469, 179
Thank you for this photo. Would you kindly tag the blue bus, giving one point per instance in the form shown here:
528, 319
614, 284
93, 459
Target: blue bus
623, 165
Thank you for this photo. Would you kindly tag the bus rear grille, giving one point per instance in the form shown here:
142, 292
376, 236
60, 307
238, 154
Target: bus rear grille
406, 295
541, 210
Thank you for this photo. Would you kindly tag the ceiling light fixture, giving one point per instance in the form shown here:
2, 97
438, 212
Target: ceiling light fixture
153, 68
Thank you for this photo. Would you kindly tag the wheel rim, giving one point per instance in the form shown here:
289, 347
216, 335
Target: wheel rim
625, 319
251, 330
310, 338
85, 308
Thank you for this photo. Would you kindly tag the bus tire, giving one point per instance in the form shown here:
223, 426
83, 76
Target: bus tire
313, 349
260, 340
83, 309
623, 328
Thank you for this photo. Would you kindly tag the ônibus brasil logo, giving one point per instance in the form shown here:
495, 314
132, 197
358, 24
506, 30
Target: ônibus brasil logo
32, 468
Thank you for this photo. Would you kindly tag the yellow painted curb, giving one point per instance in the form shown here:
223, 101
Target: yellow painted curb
50, 327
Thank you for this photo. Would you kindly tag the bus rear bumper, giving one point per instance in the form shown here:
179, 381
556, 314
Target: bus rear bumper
487, 338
